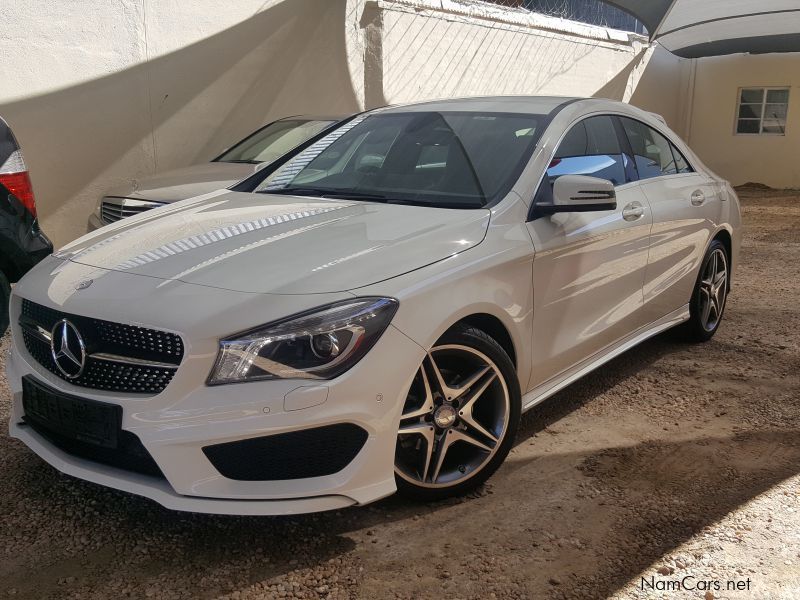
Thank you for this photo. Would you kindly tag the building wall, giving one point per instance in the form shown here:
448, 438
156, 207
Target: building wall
660, 84
102, 92
698, 99
432, 49
767, 159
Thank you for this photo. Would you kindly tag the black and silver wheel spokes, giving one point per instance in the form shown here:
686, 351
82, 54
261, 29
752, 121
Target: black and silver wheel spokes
713, 289
454, 418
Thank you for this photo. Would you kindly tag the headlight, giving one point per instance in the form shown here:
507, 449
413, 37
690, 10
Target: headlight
318, 344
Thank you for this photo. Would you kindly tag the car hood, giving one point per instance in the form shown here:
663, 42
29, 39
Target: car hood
179, 184
280, 244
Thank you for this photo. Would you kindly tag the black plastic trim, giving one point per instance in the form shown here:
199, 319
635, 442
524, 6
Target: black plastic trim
550, 209
302, 454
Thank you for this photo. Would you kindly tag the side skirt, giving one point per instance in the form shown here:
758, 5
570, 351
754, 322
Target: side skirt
559, 382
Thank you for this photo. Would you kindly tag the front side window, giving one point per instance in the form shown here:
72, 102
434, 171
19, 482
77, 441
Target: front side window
273, 141
590, 148
652, 152
762, 111
444, 159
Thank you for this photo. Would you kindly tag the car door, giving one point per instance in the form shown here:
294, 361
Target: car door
589, 267
684, 204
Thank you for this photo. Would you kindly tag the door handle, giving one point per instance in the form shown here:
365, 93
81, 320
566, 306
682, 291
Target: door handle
698, 197
633, 211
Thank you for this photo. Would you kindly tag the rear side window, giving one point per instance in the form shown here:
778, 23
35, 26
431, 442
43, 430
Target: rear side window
590, 148
652, 152
681, 163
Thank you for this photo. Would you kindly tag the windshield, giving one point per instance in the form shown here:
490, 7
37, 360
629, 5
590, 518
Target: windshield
273, 141
443, 159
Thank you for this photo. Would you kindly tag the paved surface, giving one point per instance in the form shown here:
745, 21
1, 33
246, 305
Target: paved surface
673, 460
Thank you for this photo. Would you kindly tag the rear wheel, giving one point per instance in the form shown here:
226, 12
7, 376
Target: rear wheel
710, 293
5, 292
460, 417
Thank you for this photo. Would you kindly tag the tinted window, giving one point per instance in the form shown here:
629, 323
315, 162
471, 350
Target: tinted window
590, 148
274, 140
651, 150
680, 161
458, 159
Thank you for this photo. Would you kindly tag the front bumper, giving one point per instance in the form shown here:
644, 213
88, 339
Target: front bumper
175, 425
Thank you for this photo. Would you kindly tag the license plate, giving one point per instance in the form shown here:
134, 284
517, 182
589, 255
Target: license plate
76, 418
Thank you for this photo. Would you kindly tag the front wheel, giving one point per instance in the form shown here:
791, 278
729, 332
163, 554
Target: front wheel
709, 295
460, 417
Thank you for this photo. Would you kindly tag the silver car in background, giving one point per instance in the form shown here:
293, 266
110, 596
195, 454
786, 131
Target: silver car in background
264, 146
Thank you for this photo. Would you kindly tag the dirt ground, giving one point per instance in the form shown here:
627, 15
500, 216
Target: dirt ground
673, 465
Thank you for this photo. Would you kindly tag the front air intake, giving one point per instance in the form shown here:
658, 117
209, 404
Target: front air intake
295, 455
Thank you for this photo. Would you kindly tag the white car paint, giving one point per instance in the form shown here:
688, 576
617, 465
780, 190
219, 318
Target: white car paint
325, 245
572, 290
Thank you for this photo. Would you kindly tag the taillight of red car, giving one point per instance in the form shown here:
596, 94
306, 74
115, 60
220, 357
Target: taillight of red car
14, 176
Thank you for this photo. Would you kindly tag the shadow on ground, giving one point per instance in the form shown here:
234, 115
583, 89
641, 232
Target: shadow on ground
557, 514
605, 479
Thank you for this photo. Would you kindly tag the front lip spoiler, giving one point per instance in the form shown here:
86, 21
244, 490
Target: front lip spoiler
161, 492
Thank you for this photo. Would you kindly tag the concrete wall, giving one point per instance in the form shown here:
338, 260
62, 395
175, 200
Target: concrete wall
768, 159
437, 49
661, 86
698, 99
101, 92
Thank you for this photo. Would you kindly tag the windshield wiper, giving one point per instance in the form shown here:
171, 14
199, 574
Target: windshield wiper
356, 196
298, 191
327, 193
460, 205
244, 161
369, 197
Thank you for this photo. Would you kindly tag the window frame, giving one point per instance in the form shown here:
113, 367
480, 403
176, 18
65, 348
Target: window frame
625, 146
672, 147
631, 175
764, 90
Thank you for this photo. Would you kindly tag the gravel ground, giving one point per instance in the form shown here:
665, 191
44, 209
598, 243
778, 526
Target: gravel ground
671, 461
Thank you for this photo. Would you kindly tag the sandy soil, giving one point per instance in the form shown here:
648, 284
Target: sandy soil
672, 464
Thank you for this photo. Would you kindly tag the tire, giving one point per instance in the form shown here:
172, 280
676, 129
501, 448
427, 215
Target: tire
710, 290
470, 419
5, 292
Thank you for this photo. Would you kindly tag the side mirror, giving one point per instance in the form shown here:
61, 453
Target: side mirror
579, 193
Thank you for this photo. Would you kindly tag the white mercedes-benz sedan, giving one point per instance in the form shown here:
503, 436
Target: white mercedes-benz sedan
373, 315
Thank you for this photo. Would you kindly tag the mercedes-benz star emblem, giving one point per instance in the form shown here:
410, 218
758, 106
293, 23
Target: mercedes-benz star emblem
68, 349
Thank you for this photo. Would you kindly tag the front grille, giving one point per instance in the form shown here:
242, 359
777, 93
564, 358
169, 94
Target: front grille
295, 455
119, 358
114, 209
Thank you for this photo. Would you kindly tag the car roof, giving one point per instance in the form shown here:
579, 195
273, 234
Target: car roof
538, 105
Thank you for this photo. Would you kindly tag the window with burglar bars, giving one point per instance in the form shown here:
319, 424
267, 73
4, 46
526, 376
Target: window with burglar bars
762, 111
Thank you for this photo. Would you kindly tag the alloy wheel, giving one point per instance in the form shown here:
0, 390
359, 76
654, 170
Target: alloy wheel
454, 419
713, 289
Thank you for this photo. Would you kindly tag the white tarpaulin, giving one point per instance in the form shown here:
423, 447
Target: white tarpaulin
695, 28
